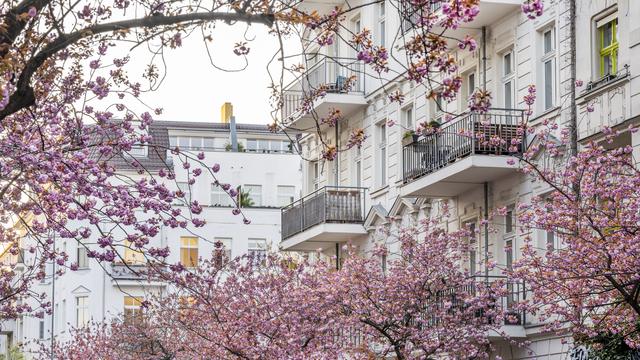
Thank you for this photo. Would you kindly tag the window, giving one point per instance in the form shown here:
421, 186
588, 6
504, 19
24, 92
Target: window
315, 174
132, 255
82, 311
550, 241
381, 23
189, 251
132, 308
254, 192
192, 142
608, 44
508, 222
138, 151
266, 146
258, 251
41, 330
286, 194
548, 68
63, 316
437, 111
225, 251
219, 197
509, 236
358, 169
82, 258
508, 80
382, 154
407, 117
471, 84
473, 246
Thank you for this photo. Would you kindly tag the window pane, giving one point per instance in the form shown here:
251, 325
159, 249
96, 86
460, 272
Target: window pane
208, 143
183, 142
173, 141
548, 41
548, 84
507, 63
508, 101
286, 194
258, 251
472, 83
508, 222
607, 34
83, 259
196, 143
255, 194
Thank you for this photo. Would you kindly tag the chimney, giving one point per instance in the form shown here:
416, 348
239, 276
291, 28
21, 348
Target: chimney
226, 112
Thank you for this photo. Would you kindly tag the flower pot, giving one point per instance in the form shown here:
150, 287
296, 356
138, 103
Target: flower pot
408, 140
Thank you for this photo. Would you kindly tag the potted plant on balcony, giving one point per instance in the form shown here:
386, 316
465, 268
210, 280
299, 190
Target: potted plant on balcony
409, 137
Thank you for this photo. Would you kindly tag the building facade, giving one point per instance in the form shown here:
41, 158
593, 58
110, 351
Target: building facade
261, 163
391, 179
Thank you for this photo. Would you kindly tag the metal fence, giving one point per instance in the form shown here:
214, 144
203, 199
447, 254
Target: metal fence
489, 133
331, 74
330, 204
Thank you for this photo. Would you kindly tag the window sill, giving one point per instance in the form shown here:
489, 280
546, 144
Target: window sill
622, 77
380, 191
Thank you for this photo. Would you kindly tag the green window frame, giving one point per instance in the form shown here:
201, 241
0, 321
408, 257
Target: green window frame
608, 51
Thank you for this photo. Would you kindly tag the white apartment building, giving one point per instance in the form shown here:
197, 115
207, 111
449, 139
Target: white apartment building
346, 199
263, 164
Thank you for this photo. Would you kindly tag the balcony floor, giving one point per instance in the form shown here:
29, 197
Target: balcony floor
459, 176
348, 103
323, 236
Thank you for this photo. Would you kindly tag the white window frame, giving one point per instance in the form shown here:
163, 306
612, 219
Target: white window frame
471, 87
409, 117
83, 316
472, 256
548, 56
508, 78
382, 152
227, 245
286, 197
509, 237
256, 196
382, 25
257, 248
82, 258
216, 196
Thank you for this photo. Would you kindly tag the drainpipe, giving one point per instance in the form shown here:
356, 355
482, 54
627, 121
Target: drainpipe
486, 230
233, 134
337, 159
337, 256
573, 122
484, 58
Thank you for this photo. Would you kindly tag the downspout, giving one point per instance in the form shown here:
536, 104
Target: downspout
486, 184
573, 121
233, 134
484, 58
337, 159
486, 230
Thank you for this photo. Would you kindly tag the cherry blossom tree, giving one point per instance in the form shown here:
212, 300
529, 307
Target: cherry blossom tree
590, 282
422, 304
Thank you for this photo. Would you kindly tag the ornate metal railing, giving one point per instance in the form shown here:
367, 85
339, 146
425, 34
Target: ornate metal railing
332, 75
330, 204
470, 133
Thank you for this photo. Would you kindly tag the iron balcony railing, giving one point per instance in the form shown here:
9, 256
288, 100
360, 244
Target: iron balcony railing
608, 78
331, 74
490, 133
330, 204
509, 297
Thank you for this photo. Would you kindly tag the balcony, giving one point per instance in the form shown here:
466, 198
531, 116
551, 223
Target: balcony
327, 216
462, 154
134, 274
510, 293
340, 85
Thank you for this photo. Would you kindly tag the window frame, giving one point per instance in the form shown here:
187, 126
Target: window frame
256, 203
84, 310
256, 252
382, 152
382, 31
508, 78
188, 247
291, 197
548, 57
216, 190
84, 264
611, 50
133, 311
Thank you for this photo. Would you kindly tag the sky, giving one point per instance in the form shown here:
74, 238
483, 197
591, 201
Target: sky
194, 90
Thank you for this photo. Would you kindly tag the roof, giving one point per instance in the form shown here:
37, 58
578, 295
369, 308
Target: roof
211, 126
